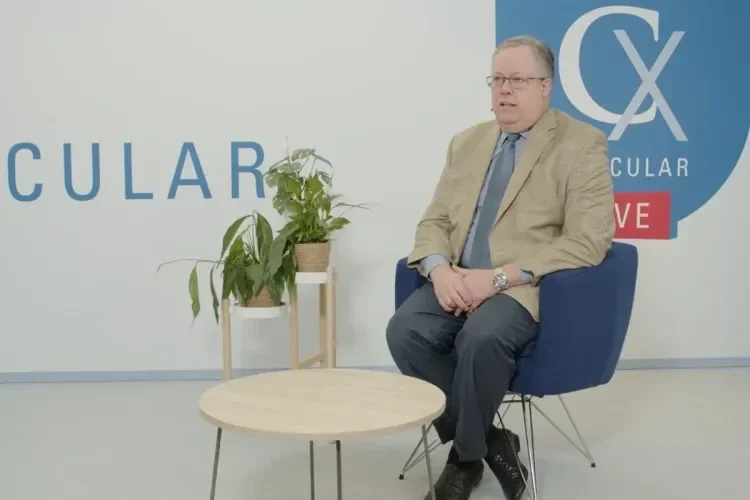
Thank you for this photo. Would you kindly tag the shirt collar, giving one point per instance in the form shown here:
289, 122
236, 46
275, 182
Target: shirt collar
504, 135
501, 141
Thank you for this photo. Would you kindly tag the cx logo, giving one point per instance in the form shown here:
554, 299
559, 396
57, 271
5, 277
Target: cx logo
575, 89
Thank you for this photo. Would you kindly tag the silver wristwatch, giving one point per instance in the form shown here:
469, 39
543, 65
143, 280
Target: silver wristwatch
500, 280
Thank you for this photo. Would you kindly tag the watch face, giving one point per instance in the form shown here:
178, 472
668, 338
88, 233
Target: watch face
501, 281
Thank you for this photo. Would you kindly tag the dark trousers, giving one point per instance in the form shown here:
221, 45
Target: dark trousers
471, 358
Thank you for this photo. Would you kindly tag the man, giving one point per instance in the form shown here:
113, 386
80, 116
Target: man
520, 196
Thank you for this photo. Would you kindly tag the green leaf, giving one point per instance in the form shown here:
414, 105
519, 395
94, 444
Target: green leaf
293, 186
294, 207
278, 205
318, 157
193, 291
282, 196
300, 154
263, 235
325, 177
289, 167
275, 256
289, 269
230, 271
275, 166
288, 230
214, 298
342, 204
272, 178
196, 261
325, 205
275, 287
338, 223
254, 275
231, 231
315, 186
242, 285
236, 251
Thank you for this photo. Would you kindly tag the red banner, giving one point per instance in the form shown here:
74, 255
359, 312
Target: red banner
642, 216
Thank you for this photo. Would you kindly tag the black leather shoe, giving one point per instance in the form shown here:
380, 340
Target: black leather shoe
458, 479
505, 463
505, 434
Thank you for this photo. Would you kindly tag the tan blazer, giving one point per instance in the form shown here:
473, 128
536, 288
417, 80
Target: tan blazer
557, 212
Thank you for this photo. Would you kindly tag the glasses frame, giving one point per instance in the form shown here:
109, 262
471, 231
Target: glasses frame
521, 82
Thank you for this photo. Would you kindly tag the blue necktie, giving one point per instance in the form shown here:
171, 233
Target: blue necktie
502, 170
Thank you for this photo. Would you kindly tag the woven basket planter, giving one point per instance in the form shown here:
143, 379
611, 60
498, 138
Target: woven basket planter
263, 299
312, 257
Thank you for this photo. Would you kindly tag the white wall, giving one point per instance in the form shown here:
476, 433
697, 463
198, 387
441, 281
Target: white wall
379, 92
690, 297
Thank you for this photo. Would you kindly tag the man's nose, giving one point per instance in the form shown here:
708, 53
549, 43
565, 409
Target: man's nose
505, 88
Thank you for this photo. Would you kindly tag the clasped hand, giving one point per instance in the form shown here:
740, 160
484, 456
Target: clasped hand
460, 290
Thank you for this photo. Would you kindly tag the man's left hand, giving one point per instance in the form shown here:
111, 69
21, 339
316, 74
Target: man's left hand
480, 282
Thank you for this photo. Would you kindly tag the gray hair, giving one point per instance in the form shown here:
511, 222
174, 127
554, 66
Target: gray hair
541, 50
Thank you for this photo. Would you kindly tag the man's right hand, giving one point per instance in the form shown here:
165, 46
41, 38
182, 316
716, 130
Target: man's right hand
450, 289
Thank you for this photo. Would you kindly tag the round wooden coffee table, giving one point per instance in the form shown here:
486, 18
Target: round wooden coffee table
322, 404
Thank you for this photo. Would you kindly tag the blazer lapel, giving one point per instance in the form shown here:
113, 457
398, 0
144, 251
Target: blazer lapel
539, 136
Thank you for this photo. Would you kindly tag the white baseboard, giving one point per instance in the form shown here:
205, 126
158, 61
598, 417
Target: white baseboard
201, 375
682, 363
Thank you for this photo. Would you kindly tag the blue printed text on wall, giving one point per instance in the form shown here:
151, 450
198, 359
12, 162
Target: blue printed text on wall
188, 173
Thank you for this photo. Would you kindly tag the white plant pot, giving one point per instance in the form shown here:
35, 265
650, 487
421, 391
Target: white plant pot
311, 278
259, 312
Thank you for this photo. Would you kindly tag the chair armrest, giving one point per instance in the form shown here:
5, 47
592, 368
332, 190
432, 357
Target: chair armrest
584, 316
408, 280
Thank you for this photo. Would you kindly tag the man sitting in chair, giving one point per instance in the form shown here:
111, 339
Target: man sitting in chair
520, 196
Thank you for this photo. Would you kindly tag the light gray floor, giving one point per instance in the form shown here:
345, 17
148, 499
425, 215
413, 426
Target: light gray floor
655, 435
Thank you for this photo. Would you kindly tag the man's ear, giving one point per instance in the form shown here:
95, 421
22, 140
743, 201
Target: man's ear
547, 87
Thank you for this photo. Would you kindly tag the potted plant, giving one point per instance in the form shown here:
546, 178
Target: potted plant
305, 198
256, 267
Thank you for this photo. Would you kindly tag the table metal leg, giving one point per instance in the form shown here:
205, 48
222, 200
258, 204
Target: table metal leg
338, 469
312, 471
427, 461
216, 462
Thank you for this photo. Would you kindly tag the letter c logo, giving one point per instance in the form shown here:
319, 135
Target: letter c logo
575, 89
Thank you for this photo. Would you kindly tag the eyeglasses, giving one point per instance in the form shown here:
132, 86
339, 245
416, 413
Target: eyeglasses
516, 82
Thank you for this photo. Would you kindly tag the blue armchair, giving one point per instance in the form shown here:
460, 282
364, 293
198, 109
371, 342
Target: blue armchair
584, 317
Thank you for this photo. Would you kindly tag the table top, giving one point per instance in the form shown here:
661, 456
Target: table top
322, 403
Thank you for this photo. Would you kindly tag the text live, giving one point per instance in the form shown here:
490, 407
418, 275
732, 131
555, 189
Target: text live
643, 216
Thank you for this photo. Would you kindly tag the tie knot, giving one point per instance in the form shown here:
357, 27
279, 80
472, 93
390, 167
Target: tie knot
512, 138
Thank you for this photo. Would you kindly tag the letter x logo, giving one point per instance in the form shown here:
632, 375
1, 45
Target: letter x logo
648, 85
572, 80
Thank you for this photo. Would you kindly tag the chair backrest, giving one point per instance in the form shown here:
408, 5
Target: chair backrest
584, 317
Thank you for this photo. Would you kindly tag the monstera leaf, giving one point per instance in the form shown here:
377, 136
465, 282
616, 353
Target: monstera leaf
304, 197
